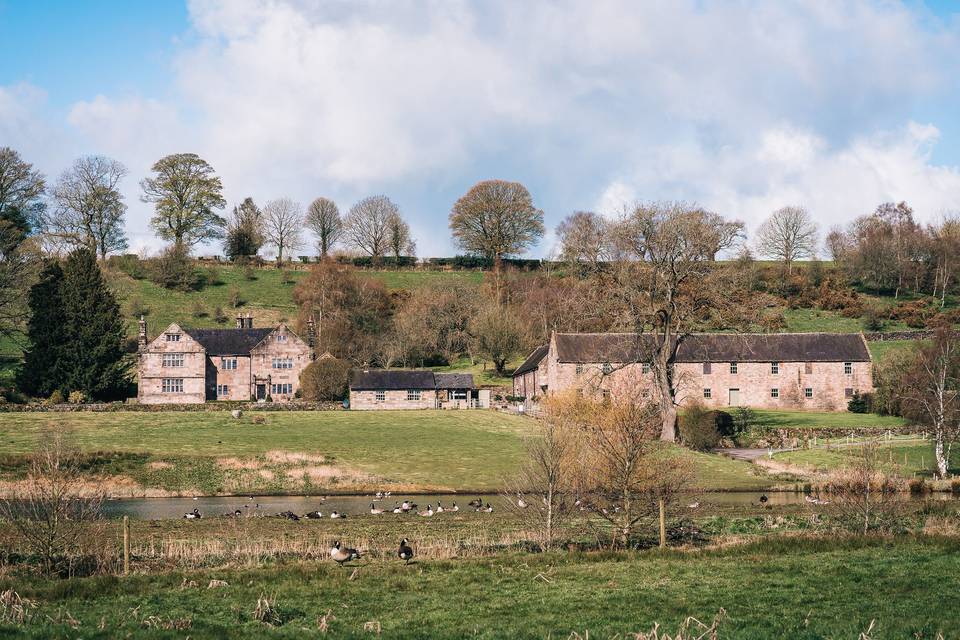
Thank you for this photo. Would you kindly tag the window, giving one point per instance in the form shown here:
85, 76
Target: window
173, 337
707, 368
459, 394
808, 393
579, 368
380, 396
222, 390
774, 393
413, 394
848, 392
808, 367
606, 394
848, 368
228, 363
173, 359
645, 367
284, 389
607, 368
281, 337
282, 363
707, 393
172, 385
774, 368
733, 367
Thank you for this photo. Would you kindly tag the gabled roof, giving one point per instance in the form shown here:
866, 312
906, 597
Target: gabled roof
399, 379
716, 347
228, 342
533, 360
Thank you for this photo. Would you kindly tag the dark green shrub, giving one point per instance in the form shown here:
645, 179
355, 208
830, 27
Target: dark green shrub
236, 300
698, 428
860, 403
743, 420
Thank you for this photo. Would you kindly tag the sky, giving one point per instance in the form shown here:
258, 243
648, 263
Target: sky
740, 107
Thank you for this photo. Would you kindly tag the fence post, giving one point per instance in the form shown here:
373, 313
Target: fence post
663, 524
126, 545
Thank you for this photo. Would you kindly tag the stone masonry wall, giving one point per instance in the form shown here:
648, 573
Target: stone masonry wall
151, 371
272, 347
239, 381
394, 399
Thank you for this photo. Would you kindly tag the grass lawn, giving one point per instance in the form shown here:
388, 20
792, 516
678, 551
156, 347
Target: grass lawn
881, 348
772, 418
415, 279
913, 459
810, 320
483, 373
788, 588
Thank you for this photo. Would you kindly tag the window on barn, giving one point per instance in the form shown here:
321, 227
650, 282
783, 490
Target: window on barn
579, 368
173, 337
808, 393
173, 359
848, 368
774, 393
645, 368
413, 394
733, 367
707, 368
707, 393
459, 394
808, 367
222, 390
380, 396
774, 368
172, 385
848, 392
607, 369
228, 363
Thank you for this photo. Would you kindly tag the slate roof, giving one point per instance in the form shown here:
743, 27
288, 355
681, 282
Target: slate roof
399, 379
716, 347
533, 360
228, 342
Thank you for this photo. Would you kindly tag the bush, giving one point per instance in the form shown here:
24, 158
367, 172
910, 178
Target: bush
128, 263
219, 316
743, 420
56, 397
860, 403
325, 379
698, 428
77, 397
304, 259
137, 308
250, 272
286, 277
198, 311
236, 300
213, 277
174, 270
873, 319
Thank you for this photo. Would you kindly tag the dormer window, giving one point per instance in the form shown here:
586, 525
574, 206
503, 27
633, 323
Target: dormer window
281, 337
173, 337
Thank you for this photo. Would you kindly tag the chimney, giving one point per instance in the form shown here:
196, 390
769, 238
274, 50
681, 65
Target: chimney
240, 321
312, 336
142, 335
249, 321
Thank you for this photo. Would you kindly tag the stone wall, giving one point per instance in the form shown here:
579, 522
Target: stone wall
273, 347
239, 381
393, 399
151, 372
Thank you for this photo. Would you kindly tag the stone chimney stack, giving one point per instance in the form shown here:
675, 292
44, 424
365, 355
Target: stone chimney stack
249, 320
142, 335
312, 337
240, 321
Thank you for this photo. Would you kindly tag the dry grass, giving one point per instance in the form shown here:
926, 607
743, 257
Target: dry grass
156, 465
280, 456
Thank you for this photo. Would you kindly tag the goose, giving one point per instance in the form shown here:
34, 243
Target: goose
386, 494
405, 553
341, 556
810, 499
488, 508
396, 508
440, 508
313, 515
193, 515
427, 513
521, 502
289, 515
405, 506
374, 511
476, 502
454, 507
379, 495
237, 513
336, 514
764, 499
694, 505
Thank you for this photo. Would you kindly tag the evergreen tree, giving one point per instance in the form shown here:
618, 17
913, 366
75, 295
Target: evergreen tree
92, 356
40, 375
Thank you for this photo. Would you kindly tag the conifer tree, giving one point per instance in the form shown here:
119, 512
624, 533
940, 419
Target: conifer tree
92, 358
40, 375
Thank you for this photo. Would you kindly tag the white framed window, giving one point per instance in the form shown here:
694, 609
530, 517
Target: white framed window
775, 368
283, 389
808, 393
173, 359
282, 363
645, 368
223, 391
733, 367
847, 368
413, 394
775, 393
707, 393
607, 369
281, 337
579, 368
380, 396
228, 363
173, 337
172, 385
459, 394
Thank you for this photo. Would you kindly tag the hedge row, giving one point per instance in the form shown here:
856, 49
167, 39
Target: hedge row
107, 407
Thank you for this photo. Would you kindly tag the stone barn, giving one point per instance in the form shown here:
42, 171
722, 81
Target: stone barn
184, 365
381, 389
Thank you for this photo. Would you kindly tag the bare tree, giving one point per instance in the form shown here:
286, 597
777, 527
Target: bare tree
498, 336
789, 234
584, 238
185, 193
89, 207
945, 241
367, 225
283, 225
399, 238
865, 496
323, 219
52, 508
838, 244
496, 218
665, 283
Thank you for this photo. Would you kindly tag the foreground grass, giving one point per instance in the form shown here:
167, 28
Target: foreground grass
793, 587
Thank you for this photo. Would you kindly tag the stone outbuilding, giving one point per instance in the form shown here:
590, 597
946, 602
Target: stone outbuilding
185, 365
380, 389
786, 370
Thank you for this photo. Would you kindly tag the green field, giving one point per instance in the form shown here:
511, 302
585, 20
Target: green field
783, 588
909, 459
774, 419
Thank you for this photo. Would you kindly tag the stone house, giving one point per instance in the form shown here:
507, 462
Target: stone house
414, 389
799, 370
184, 365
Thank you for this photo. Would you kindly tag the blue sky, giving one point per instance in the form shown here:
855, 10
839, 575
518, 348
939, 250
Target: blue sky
740, 106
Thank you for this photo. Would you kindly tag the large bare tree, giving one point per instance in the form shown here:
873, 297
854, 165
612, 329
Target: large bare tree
323, 219
399, 237
283, 225
666, 283
496, 218
185, 193
89, 207
584, 238
367, 225
788, 235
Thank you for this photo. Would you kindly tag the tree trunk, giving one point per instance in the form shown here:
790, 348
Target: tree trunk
940, 455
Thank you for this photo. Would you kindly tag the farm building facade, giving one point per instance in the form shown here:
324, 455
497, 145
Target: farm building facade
414, 389
799, 370
188, 366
